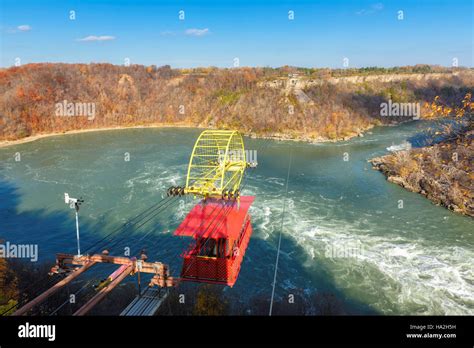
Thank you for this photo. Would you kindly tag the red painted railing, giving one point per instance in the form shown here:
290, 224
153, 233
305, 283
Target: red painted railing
222, 270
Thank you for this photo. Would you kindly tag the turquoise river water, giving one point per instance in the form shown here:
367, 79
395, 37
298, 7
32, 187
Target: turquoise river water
344, 230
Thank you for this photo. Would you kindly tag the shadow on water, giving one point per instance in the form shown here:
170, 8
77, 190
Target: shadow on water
42, 228
37, 227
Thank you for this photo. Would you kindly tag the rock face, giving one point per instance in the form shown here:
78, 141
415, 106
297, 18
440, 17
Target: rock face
443, 173
301, 83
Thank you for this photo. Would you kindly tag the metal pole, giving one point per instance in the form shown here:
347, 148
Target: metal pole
139, 268
77, 235
41, 298
104, 291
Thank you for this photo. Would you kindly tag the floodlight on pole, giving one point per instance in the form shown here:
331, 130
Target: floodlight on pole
74, 203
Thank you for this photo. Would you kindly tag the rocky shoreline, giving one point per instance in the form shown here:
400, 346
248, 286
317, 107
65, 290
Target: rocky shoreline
308, 139
443, 173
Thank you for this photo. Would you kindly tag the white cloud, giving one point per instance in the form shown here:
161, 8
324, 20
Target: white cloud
197, 32
21, 28
97, 38
24, 27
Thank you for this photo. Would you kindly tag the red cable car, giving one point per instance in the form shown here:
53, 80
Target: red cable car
221, 230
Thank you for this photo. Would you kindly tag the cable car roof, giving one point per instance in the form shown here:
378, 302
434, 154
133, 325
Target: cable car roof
216, 219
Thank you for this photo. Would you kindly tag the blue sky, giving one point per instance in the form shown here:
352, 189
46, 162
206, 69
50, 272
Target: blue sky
258, 33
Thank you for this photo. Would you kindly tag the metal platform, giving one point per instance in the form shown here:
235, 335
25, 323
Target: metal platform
147, 304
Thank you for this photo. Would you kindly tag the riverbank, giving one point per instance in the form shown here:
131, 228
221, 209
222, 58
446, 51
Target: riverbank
277, 136
443, 173
6, 143
309, 138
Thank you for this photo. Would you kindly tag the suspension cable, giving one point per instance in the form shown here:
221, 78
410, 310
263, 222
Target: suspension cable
157, 213
279, 238
127, 226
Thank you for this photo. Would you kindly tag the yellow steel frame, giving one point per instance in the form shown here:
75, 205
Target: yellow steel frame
217, 163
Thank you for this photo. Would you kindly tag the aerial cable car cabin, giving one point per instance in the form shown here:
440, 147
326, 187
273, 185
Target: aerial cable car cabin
221, 232
220, 223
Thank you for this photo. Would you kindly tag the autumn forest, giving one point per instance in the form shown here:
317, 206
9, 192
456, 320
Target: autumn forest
323, 104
